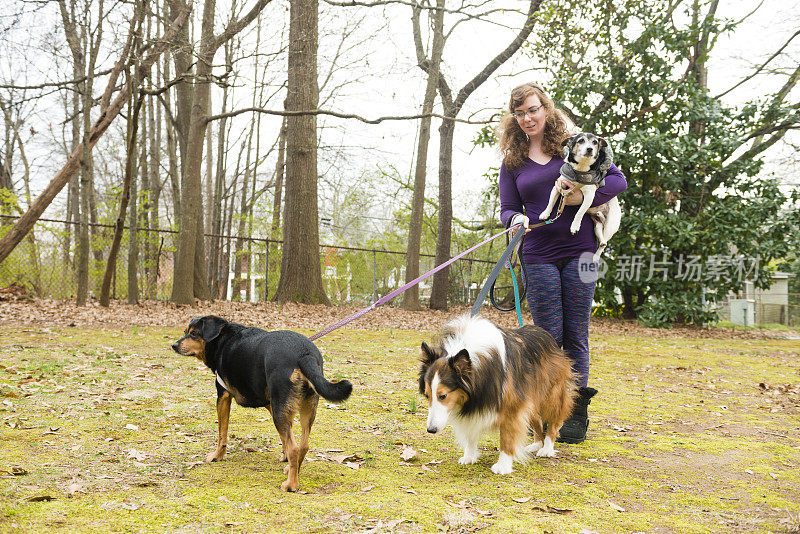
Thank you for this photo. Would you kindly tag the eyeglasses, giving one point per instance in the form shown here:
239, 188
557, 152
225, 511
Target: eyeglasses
519, 115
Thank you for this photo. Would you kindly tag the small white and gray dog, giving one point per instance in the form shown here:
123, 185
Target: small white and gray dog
587, 158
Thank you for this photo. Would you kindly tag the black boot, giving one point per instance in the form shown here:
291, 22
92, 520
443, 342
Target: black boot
574, 428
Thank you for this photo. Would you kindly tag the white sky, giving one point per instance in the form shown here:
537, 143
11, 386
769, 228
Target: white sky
392, 84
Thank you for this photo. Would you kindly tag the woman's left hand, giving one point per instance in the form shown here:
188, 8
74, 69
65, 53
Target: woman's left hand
572, 195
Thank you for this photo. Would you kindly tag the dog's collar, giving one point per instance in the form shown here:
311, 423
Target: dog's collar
590, 177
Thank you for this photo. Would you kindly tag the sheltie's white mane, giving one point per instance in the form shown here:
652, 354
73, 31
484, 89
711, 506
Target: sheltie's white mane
477, 335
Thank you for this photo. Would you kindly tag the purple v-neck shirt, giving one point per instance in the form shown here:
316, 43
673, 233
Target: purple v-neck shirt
527, 189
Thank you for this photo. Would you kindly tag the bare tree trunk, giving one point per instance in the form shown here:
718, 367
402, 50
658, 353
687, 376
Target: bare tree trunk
444, 228
77, 35
411, 296
275, 231
216, 248
182, 57
190, 278
152, 239
187, 279
73, 192
172, 148
139, 169
130, 162
451, 109
301, 273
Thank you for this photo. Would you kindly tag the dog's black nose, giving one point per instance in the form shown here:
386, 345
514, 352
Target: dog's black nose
175, 346
432, 430
589, 150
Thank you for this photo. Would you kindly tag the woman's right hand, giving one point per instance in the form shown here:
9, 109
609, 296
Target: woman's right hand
519, 218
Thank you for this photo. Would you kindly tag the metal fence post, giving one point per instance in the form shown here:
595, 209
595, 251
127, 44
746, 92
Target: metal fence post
374, 276
266, 273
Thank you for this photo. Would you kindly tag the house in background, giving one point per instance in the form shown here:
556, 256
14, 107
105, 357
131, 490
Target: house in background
753, 306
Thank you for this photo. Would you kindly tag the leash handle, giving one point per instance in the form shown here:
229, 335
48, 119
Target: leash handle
496, 270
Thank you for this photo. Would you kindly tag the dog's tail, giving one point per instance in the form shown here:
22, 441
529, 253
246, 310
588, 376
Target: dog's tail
332, 391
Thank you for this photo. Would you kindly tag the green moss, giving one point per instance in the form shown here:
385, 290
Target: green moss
699, 447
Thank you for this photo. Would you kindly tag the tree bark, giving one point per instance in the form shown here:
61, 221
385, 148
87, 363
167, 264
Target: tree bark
446, 132
411, 296
301, 273
190, 279
130, 162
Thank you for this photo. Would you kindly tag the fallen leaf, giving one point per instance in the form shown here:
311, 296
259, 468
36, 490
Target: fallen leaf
40, 498
343, 458
18, 471
131, 426
616, 507
521, 499
551, 509
133, 454
408, 453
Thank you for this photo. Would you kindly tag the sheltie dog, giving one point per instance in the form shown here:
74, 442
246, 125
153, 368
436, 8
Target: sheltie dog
482, 377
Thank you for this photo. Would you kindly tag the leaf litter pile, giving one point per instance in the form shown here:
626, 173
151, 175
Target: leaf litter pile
104, 429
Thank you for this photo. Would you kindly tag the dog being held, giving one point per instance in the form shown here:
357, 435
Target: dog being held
281, 370
482, 377
587, 159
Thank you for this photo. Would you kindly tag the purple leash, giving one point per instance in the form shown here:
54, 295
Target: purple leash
396, 292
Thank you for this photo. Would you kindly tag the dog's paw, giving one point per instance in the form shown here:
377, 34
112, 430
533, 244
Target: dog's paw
533, 447
468, 459
546, 452
504, 465
575, 227
544, 215
286, 486
215, 456
500, 468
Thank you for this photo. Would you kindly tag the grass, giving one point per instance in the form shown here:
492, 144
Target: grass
110, 428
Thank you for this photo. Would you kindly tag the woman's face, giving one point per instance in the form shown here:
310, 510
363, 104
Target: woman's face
531, 116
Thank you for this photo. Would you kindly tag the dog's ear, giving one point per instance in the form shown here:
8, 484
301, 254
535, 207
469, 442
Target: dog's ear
566, 140
429, 355
603, 142
427, 358
461, 365
211, 326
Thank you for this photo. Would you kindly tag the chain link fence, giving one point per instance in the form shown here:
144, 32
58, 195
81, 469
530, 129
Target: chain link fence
240, 268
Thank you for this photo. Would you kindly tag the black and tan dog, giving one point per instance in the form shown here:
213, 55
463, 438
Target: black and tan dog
281, 370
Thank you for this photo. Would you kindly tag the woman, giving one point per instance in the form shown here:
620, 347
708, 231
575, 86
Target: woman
560, 301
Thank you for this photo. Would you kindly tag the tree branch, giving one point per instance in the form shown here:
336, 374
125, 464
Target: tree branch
283, 113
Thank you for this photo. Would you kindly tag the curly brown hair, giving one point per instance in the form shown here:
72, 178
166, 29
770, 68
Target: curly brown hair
514, 144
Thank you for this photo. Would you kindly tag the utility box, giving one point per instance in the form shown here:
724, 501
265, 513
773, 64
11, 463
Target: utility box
743, 311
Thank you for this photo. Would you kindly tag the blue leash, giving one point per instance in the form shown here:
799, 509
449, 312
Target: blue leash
516, 294
505, 259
